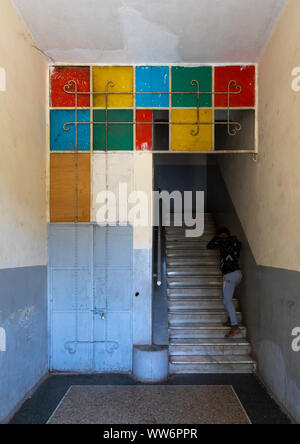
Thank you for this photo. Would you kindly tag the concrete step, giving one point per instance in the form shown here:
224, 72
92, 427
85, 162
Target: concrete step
199, 316
206, 292
208, 229
196, 303
212, 364
182, 253
186, 245
193, 261
208, 222
208, 217
187, 282
181, 236
209, 347
204, 270
200, 330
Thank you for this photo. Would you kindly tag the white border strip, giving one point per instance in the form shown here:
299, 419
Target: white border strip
242, 407
60, 403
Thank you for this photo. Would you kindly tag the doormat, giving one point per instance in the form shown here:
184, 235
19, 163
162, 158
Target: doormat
151, 404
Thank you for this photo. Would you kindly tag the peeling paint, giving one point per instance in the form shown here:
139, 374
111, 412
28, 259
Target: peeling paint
143, 38
26, 315
135, 31
2, 340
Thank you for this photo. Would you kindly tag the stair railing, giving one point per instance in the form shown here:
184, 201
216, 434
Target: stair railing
159, 245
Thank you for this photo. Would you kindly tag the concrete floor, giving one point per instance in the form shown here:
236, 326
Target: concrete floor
256, 402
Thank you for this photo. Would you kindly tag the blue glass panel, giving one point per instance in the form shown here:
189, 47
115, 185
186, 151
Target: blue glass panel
143, 84
152, 79
61, 140
160, 83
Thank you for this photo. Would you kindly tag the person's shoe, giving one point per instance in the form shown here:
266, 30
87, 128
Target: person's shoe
233, 332
228, 323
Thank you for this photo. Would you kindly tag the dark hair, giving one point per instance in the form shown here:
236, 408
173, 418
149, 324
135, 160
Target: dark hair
223, 230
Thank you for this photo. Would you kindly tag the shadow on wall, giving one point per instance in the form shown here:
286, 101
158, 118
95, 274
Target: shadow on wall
270, 303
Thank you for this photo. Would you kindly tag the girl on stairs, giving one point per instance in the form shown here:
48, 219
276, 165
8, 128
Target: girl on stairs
230, 248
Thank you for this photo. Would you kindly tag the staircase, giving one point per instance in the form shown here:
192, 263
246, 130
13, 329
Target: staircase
195, 310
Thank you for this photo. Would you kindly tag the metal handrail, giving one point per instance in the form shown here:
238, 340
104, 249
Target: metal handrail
159, 246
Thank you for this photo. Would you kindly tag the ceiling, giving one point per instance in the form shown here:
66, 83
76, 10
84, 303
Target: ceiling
151, 31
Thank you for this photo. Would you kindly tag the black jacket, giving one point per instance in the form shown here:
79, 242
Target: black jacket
230, 252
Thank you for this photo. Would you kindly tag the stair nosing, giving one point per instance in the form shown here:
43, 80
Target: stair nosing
248, 362
203, 326
209, 344
192, 298
199, 311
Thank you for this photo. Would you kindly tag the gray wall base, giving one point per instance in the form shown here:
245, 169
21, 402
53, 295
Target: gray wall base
23, 315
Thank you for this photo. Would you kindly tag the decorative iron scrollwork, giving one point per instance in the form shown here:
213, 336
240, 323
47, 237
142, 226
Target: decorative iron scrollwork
233, 128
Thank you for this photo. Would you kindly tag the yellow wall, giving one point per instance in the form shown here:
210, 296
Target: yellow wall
266, 194
23, 145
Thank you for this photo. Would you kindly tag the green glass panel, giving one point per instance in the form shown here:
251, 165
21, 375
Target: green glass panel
181, 82
119, 137
99, 131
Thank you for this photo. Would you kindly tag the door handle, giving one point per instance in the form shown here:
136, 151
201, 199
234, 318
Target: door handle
100, 313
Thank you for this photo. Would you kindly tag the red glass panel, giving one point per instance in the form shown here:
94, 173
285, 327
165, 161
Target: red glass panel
244, 76
144, 132
60, 76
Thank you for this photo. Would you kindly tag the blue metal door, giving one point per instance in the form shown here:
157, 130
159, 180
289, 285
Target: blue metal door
90, 297
113, 298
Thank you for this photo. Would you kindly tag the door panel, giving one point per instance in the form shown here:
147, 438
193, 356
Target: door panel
119, 290
119, 330
64, 290
100, 288
71, 350
120, 243
62, 245
100, 345
113, 342
90, 297
112, 298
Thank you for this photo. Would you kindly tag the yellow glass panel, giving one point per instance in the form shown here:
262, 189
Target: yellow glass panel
182, 139
122, 76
